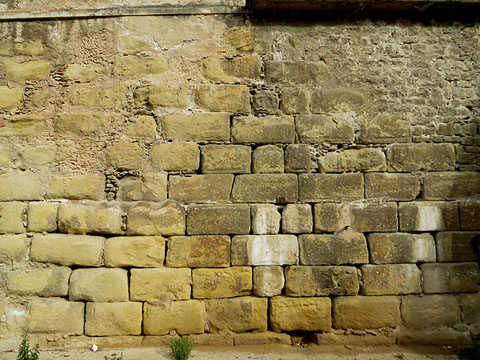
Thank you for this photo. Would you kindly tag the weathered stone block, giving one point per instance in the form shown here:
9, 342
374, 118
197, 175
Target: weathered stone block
230, 71
384, 129
113, 319
5, 161
264, 338
430, 311
11, 217
347, 247
450, 277
421, 157
134, 67
301, 314
28, 70
330, 217
362, 160
470, 304
428, 216
277, 188
391, 187
337, 100
263, 130
297, 158
67, 250
185, 317
391, 279
161, 96
250, 314
151, 187
457, 246
51, 281
335, 129
268, 159
397, 248
201, 188
264, 250
13, 248
354, 338
294, 100
229, 219
160, 285
330, 187
99, 285
36, 156
265, 219
42, 216
96, 218
56, 316
231, 98
222, 283
295, 72
451, 186
366, 312
134, 251
125, 156
10, 96
110, 98
265, 101
77, 187
297, 219
197, 127
198, 251
24, 125
321, 280
80, 123
470, 215
130, 44
176, 156
81, 73
444, 336
241, 39
144, 128
268, 281
229, 159
373, 217
167, 218
21, 185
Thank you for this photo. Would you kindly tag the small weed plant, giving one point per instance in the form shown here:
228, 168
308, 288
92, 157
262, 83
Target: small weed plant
114, 356
399, 356
472, 353
181, 348
25, 352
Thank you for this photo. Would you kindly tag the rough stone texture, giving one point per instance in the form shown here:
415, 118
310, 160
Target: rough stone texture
201, 188
298, 72
264, 250
302, 314
321, 280
110, 98
24, 125
198, 251
469, 215
197, 127
42, 216
133, 67
457, 246
160, 96
81, 73
297, 158
268, 281
160, 285
185, 317
470, 304
144, 128
397, 248
83, 123
92, 218
83, 187
361, 160
49, 281
11, 217
330, 187
277, 188
21, 185
151, 187
335, 129
373, 217
250, 314
355, 312
113, 319
229, 219
167, 218
99, 285
179, 156
125, 156
10, 96
337, 100
264, 338
234, 98
360, 338
436, 311
29, 70
265, 102
135, 251
450, 277
297, 219
451, 186
428, 216
268, 159
13, 248
384, 129
330, 217
222, 283
421, 157
226, 159
56, 316
391, 187
435, 337
391, 279
263, 130
294, 100
265, 219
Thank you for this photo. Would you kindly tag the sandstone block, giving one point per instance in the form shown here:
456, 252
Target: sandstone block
470, 304
24, 125
362, 160
263, 338
80, 123
384, 129
457, 246
109, 98
144, 128
197, 127
160, 285
397, 248
113, 319
11, 217
134, 251
222, 283
335, 129
51, 281
268, 281
132, 44
229, 219
229, 159
366, 312
241, 39
263, 130
330, 217
125, 156
437, 337
81, 73
10, 96
330, 187
295, 72
337, 100
391, 187
21, 185
265, 102
167, 218
421, 157
185, 317
294, 101
168, 97
230, 71
264, 250
277, 188
428, 216
268, 159
250, 314
176, 156
321, 280
297, 219
373, 217
265, 219
451, 186
450, 277
42, 216
151, 187
28, 70
99, 285
230, 98
5, 161
56, 316
134, 67
36, 156
67, 250
201, 188
347, 247
77, 187
13, 248
198, 251
97, 218
297, 158
356, 339
470, 215
300, 314
391, 279
436, 311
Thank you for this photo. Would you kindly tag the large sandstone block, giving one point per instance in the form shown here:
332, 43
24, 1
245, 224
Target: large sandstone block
264, 250
294, 100
162, 96
366, 312
185, 317
265, 102
397, 248
77, 187
335, 129
222, 283
428, 216
300, 314
265, 219
10, 96
337, 100
421, 157
391, 187
201, 188
99, 285
145, 127
178, 156
331, 217
268, 281
347, 247
167, 218
56, 316
470, 215
37, 156
50, 281
28, 70
109, 98
470, 304
237, 314
298, 158
277, 188
321, 280
197, 127
160, 285
13, 248
229, 159
373, 217
152, 186
330, 187
134, 67
362, 160
450, 277
96, 218
268, 159
430, 311
125, 156
11, 217
295, 72
353, 338
198, 251
457, 246
231, 98
229, 219
42, 216
263, 130
263, 338
384, 129
451, 186
113, 319
67, 250
444, 336
134, 251
391, 279
84, 123
297, 219
24, 125
230, 71
21, 185
81, 73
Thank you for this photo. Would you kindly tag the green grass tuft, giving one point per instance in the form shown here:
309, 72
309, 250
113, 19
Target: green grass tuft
25, 352
181, 348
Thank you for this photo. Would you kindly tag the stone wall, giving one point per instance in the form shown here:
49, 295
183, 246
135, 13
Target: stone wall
221, 175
